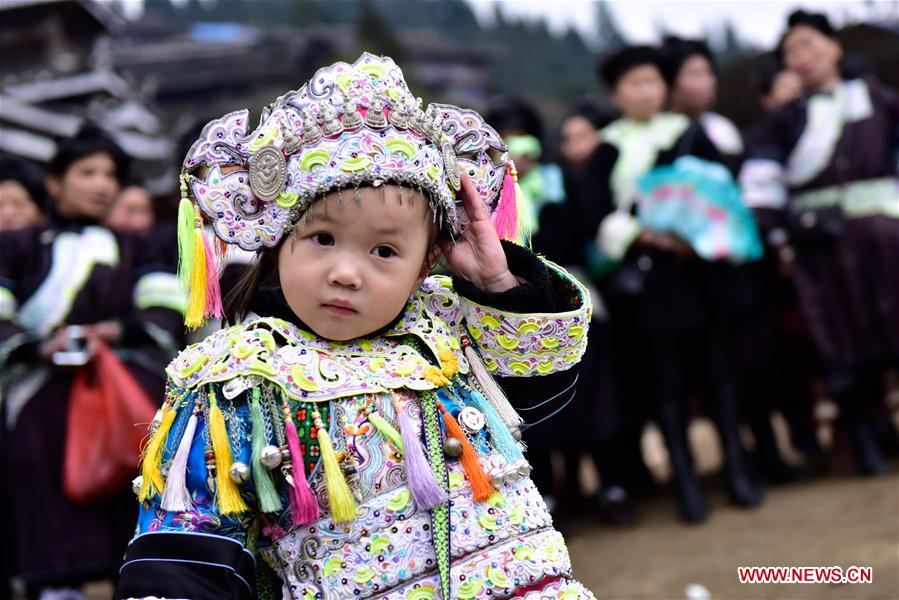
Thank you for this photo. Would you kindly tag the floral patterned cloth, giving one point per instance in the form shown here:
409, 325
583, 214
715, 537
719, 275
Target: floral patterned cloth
501, 547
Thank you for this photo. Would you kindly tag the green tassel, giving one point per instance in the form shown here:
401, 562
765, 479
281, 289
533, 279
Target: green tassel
387, 430
269, 501
187, 216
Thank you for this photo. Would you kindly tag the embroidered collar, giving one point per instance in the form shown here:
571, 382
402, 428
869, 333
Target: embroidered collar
310, 368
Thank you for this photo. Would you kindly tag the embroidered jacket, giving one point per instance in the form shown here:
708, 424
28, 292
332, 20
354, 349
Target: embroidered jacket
360, 408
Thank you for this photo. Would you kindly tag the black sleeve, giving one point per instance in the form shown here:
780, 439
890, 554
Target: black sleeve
539, 397
187, 565
535, 295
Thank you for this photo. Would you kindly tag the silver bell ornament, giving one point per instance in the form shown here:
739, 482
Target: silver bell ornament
452, 446
270, 457
516, 433
136, 484
239, 472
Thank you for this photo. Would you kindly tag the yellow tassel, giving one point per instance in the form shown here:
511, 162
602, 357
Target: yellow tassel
340, 499
196, 304
229, 499
153, 482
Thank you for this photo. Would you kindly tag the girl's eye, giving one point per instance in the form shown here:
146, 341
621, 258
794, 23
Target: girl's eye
323, 239
384, 251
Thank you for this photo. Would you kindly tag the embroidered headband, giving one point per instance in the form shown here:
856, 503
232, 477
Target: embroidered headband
351, 125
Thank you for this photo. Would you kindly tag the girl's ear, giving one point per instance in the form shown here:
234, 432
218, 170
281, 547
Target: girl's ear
428, 265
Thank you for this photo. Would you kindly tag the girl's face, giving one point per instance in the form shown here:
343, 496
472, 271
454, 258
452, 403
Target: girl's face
812, 55
87, 189
694, 88
348, 271
132, 211
17, 209
579, 140
640, 93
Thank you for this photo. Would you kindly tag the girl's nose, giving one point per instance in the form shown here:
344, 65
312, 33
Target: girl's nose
344, 272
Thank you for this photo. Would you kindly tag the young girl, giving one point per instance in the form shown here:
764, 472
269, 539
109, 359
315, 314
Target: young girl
351, 438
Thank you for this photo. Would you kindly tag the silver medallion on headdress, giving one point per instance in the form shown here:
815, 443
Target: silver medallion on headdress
268, 172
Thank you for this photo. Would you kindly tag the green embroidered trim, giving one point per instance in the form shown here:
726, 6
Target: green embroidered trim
306, 430
440, 516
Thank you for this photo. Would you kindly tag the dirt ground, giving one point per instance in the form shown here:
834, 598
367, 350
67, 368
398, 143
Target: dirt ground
839, 520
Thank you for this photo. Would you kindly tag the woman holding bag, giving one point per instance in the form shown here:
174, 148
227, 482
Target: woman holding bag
66, 289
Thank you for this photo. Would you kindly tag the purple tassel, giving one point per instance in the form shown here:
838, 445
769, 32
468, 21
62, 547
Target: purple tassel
425, 490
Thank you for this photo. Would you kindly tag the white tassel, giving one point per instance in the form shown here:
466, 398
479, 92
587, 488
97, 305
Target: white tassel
494, 394
176, 497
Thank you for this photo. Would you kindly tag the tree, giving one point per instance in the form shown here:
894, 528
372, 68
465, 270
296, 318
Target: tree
609, 36
732, 49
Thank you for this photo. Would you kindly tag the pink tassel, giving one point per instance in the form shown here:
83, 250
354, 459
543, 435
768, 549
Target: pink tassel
303, 505
505, 217
425, 490
176, 497
213, 291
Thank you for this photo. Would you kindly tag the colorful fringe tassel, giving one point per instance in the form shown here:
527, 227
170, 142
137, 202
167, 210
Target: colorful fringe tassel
176, 497
481, 486
213, 306
424, 487
187, 216
153, 482
386, 429
303, 504
492, 391
228, 495
500, 436
509, 213
196, 301
197, 265
340, 499
269, 501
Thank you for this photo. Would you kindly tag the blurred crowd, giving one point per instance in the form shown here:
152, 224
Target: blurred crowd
735, 337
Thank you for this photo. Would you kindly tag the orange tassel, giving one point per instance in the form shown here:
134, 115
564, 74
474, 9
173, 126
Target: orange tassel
481, 486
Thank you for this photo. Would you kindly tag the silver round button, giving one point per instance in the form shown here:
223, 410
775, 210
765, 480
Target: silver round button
472, 419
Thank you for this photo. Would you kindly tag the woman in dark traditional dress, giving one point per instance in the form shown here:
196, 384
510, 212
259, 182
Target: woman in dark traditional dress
822, 172
666, 312
72, 271
690, 71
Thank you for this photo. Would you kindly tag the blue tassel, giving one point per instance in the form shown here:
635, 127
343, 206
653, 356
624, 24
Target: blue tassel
500, 436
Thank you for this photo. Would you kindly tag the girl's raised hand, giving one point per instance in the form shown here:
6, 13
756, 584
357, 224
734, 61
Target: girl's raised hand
478, 256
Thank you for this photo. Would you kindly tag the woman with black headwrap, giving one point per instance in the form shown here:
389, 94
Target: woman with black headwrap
822, 174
